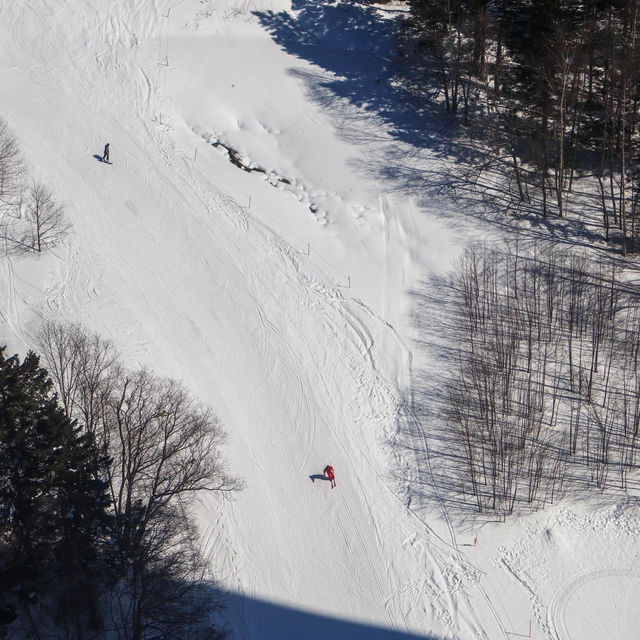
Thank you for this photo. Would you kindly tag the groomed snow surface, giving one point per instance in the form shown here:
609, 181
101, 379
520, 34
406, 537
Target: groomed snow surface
301, 301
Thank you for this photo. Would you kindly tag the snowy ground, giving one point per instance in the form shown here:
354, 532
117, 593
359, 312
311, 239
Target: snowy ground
301, 302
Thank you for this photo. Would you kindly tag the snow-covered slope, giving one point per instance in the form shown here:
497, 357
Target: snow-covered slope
287, 299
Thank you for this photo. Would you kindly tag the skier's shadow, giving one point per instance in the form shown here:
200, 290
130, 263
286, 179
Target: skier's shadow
318, 476
98, 158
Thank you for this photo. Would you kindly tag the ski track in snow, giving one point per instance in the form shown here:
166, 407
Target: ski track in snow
316, 402
556, 612
8, 311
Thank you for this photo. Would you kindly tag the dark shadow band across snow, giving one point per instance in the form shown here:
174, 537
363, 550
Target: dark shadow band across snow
254, 619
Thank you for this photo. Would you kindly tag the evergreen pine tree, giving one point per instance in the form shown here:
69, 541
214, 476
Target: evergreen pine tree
52, 497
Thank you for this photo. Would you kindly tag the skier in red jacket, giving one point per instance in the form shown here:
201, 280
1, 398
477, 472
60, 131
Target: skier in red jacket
328, 471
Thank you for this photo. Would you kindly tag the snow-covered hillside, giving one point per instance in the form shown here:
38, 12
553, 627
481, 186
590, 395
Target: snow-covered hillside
300, 299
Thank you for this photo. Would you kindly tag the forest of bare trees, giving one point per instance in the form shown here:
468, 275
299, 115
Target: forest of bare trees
551, 91
547, 394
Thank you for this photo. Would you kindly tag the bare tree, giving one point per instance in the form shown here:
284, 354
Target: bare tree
30, 218
163, 446
167, 445
84, 367
12, 168
47, 217
548, 375
12, 174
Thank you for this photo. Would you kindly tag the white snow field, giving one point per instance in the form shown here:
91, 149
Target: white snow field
301, 302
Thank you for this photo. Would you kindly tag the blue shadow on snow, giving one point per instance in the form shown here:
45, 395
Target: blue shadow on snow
260, 620
360, 50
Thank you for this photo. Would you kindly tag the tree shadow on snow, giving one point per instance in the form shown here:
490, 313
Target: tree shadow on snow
436, 475
358, 49
423, 152
432, 479
262, 620
438, 468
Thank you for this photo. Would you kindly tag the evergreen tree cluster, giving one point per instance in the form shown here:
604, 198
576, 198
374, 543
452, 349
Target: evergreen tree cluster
97, 465
551, 87
54, 519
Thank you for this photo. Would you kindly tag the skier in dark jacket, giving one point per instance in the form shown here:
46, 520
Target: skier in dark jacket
328, 471
105, 155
